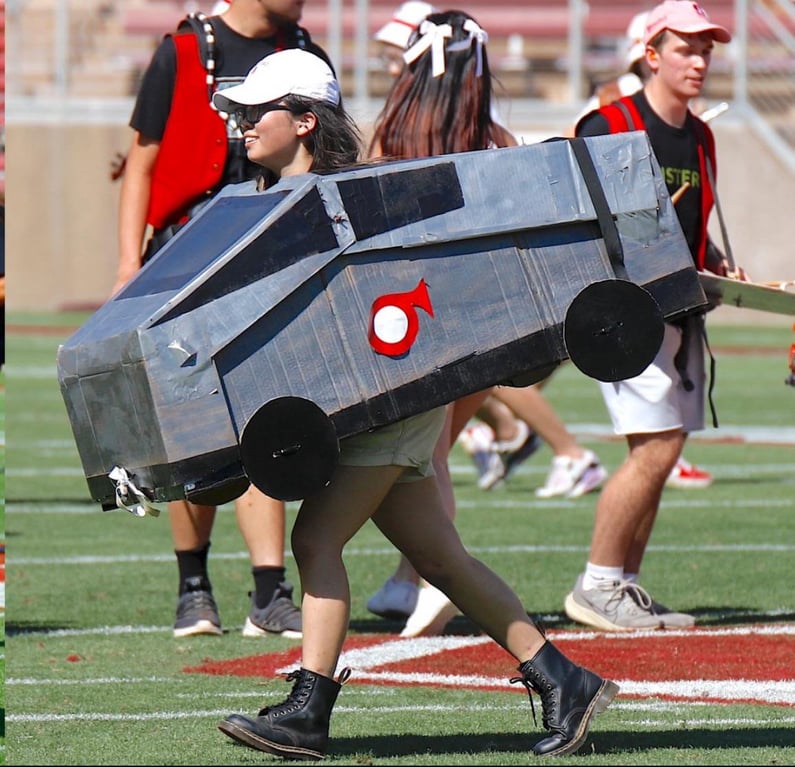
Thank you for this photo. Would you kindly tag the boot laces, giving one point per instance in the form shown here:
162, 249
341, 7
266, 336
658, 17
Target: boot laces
300, 694
545, 691
297, 698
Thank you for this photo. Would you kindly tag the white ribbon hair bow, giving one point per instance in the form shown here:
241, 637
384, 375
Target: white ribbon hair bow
433, 37
480, 36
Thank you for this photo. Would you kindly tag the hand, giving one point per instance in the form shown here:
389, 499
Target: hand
117, 165
738, 274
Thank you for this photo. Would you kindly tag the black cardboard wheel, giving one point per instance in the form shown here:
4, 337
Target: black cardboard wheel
613, 330
289, 448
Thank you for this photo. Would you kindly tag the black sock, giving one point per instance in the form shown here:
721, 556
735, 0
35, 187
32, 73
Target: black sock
266, 581
192, 565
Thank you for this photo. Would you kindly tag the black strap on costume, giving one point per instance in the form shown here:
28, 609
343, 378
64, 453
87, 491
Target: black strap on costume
628, 116
682, 354
711, 376
681, 357
604, 216
702, 138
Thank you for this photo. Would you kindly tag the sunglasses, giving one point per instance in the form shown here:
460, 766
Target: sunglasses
250, 115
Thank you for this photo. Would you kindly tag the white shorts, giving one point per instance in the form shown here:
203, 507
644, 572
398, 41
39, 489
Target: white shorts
657, 399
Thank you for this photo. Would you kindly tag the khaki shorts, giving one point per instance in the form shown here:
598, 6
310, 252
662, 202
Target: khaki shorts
657, 399
408, 443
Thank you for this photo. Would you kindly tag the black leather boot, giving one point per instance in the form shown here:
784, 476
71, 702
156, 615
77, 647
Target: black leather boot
296, 728
570, 697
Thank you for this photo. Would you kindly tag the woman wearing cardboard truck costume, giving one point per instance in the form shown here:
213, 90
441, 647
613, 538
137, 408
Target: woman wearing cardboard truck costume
294, 123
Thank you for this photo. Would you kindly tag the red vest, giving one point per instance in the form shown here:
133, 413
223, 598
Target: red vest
192, 155
617, 123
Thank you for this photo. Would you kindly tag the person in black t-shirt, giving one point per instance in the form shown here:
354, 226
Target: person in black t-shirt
167, 151
656, 410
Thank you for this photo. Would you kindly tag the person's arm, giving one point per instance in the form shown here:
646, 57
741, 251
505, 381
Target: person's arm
133, 205
148, 121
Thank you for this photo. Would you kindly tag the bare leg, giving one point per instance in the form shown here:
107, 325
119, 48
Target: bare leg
261, 521
458, 415
191, 524
463, 410
499, 416
529, 404
325, 523
413, 518
628, 503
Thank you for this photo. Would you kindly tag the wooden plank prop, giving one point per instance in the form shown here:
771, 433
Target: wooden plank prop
276, 323
778, 298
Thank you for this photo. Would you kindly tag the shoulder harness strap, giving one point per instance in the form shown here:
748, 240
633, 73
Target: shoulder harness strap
200, 25
622, 115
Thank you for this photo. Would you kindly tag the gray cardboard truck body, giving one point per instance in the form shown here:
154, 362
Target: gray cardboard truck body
276, 323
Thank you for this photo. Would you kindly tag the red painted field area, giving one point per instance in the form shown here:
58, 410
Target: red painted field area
754, 664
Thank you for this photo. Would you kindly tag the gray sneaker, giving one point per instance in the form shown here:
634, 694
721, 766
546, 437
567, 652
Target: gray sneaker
613, 606
280, 616
197, 612
670, 619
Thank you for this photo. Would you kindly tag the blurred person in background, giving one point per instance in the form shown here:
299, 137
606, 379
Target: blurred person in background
183, 152
394, 35
411, 129
455, 92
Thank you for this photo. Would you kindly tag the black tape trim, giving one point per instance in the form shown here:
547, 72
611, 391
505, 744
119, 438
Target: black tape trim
604, 216
379, 204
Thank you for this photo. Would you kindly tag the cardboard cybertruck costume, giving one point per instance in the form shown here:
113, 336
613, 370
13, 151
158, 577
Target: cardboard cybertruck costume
276, 323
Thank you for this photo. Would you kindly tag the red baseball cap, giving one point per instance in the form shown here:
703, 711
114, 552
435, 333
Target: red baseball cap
682, 16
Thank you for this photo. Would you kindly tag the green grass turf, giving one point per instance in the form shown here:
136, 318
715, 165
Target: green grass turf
2, 536
95, 677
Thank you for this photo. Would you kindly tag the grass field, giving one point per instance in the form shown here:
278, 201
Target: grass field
94, 676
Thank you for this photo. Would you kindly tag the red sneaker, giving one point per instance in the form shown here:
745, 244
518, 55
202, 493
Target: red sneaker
685, 476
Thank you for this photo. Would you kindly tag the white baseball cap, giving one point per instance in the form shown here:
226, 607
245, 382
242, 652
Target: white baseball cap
636, 30
406, 19
292, 72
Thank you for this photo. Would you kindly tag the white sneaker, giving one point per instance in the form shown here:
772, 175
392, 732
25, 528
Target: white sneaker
395, 600
432, 613
492, 470
573, 477
505, 453
477, 439
493, 459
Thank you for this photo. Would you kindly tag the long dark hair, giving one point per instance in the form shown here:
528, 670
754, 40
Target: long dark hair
425, 115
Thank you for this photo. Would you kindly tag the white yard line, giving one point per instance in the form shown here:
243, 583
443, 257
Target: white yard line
684, 722
354, 551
